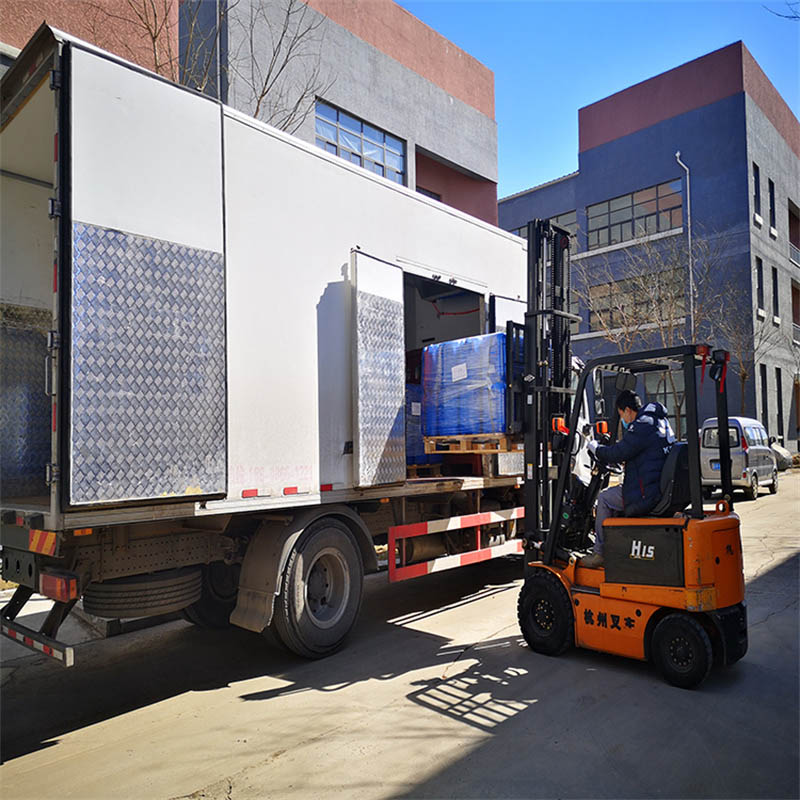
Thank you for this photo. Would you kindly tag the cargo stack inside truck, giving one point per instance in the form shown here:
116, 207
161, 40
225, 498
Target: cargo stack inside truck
456, 408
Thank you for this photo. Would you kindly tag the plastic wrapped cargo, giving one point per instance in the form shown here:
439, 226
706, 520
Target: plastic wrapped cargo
464, 384
415, 445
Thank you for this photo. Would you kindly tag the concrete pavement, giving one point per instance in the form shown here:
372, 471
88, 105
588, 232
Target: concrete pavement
435, 695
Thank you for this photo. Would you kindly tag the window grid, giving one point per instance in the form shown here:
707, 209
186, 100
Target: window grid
771, 204
760, 282
611, 304
764, 398
360, 143
776, 311
756, 189
631, 216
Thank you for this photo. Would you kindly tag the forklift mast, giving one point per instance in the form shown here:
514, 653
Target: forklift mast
547, 375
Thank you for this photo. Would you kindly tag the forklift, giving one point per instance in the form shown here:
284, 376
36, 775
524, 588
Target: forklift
671, 589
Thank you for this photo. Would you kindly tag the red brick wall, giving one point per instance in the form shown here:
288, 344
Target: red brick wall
395, 32
107, 23
471, 195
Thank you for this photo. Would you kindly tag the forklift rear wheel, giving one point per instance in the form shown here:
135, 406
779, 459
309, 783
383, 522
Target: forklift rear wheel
545, 614
682, 651
773, 487
751, 492
321, 591
214, 608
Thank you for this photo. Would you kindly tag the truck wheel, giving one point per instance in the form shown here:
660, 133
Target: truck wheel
220, 586
773, 487
682, 651
321, 591
751, 492
144, 595
545, 614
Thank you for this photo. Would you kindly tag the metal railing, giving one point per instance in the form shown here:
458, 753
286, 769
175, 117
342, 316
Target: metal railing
794, 253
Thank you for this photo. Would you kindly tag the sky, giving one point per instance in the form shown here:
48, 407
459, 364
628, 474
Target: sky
550, 58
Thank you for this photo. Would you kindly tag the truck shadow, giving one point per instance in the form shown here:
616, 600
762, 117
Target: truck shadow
42, 701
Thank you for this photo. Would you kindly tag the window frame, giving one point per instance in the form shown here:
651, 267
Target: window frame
756, 189
771, 191
343, 144
776, 304
760, 283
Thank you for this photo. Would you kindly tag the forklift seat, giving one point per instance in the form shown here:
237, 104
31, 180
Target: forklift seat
675, 492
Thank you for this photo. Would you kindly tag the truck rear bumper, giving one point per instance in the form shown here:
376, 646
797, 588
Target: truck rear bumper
38, 642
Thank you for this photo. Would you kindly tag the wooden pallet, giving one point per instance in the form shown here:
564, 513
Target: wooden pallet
424, 471
474, 443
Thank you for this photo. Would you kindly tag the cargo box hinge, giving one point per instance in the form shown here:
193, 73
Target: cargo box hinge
52, 473
55, 79
53, 208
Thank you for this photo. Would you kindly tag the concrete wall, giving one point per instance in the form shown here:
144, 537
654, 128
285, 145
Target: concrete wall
777, 162
358, 77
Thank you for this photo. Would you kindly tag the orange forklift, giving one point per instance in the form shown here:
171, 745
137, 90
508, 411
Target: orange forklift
671, 589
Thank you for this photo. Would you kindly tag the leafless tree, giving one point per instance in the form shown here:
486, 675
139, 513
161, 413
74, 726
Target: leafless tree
792, 11
637, 298
275, 68
748, 340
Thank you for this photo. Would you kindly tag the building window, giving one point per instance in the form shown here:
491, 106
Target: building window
756, 189
618, 305
771, 204
760, 282
360, 143
429, 193
779, 401
631, 216
764, 398
776, 311
566, 220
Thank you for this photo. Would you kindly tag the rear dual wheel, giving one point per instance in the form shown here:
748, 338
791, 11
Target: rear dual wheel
321, 591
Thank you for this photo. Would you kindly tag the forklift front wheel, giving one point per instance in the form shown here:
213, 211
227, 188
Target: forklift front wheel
682, 651
545, 614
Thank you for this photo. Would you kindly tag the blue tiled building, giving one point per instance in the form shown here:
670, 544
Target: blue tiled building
629, 209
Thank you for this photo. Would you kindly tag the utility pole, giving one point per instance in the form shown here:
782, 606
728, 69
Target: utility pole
689, 229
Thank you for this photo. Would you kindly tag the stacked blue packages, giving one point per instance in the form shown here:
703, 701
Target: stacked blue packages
415, 446
464, 384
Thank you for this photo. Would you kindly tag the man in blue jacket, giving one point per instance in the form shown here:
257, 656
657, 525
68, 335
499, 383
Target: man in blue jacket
643, 449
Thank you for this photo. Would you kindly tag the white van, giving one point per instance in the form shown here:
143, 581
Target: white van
753, 463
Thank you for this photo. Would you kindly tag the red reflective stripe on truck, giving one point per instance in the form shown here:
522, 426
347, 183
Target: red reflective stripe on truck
290, 490
55, 415
55, 276
55, 147
249, 492
326, 487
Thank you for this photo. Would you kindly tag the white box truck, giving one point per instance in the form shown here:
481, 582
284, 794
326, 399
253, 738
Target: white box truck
205, 325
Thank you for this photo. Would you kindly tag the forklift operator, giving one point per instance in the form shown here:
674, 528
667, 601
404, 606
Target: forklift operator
643, 449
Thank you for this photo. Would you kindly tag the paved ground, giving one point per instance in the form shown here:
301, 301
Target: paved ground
435, 696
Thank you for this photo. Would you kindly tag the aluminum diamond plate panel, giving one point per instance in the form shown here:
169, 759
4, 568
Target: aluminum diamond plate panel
25, 408
148, 410
380, 390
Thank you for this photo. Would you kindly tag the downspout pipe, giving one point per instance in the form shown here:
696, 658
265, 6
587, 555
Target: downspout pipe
691, 256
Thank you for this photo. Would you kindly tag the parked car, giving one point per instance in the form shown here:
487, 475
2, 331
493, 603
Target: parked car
753, 462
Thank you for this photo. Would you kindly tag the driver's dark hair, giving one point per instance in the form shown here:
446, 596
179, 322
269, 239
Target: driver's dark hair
629, 399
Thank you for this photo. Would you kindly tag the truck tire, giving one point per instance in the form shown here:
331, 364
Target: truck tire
682, 651
545, 614
144, 595
220, 587
321, 590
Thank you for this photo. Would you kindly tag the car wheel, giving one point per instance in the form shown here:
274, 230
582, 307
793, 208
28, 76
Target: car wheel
544, 612
682, 651
751, 492
321, 592
773, 487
